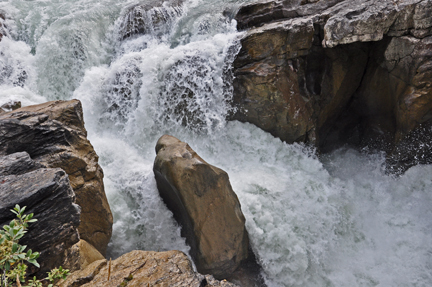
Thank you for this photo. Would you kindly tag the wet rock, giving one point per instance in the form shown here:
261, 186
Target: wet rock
11, 106
46, 192
2, 29
153, 18
143, 268
204, 204
53, 134
329, 73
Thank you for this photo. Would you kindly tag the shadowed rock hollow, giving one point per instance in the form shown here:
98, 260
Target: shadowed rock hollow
335, 72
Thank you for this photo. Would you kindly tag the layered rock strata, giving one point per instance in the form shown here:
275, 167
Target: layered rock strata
46, 192
203, 202
336, 71
143, 268
53, 135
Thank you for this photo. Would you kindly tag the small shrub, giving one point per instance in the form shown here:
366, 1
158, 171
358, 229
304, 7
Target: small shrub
13, 255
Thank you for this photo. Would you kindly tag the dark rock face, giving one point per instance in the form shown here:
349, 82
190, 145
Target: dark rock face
2, 29
153, 18
204, 203
46, 192
53, 135
335, 72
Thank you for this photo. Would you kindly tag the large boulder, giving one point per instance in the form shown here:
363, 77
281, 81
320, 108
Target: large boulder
46, 192
203, 202
53, 134
334, 72
143, 268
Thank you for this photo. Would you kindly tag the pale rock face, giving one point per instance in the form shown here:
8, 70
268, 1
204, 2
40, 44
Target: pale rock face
204, 204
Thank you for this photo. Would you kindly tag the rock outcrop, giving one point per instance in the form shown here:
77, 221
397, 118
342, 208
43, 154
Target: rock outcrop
46, 192
332, 72
54, 136
203, 202
143, 268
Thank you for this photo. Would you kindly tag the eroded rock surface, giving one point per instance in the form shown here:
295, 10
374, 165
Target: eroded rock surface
204, 203
143, 268
54, 136
46, 192
332, 72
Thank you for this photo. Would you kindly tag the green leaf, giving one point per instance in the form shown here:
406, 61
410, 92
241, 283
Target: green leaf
15, 247
7, 266
19, 236
34, 262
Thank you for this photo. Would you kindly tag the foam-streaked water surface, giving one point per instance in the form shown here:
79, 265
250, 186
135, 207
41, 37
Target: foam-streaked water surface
332, 221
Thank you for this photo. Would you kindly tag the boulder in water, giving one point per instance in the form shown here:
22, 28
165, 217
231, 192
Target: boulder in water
2, 31
203, 202
11, 106
54, 136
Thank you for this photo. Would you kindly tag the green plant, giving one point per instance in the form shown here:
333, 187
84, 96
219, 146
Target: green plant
13, 255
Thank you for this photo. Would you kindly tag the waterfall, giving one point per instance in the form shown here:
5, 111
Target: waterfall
334, 220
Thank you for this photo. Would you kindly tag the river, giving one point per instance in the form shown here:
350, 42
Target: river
335, 220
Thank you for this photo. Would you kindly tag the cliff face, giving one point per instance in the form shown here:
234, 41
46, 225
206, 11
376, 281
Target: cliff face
49, 165
336, 72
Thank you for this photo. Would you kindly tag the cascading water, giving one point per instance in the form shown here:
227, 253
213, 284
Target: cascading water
334, 221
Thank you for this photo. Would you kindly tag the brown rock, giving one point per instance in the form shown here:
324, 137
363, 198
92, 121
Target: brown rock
204, 203
80, 255
53, 134
142, 268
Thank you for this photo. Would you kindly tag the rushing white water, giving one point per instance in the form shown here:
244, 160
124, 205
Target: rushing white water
334, 221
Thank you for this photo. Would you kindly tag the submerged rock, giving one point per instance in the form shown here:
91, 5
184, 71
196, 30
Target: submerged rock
54, 136
46, 192
143, 268
335, 72
2, 29
153, 18
203, 202
11, 106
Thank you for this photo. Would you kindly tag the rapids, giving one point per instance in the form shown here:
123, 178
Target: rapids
338, 220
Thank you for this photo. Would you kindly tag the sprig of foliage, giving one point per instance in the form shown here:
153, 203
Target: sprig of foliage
13, 255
